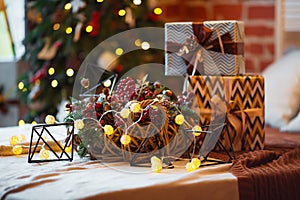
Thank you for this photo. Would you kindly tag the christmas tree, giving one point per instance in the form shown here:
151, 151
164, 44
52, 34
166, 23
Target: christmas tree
61, 33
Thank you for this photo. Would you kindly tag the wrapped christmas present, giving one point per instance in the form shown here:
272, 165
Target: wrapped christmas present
241, 98
206, 48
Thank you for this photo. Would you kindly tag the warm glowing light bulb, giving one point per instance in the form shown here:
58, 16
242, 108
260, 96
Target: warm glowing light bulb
125, 112
197, 130
89, 28
70, 72
157, 11
100, 1
122, 12
196, 162
51, 71
108, 129
22, 137
69, 30
145, 45
68, 6
21, 85
137, 2
137, 42
17, 150
179, 119
125, 139
135, 108
68, 149
54, 83
119, 51
156, 164
21, 122
33, 122
44, 154
50, 119
79, 124
14, 140
56, 26
190, 167
107, 83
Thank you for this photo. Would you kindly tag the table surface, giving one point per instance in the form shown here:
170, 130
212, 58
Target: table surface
86, 179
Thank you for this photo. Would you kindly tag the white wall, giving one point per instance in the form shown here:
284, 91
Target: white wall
8, 74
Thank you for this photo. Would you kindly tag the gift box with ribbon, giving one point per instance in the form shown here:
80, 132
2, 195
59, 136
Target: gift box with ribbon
241, 99
206, 48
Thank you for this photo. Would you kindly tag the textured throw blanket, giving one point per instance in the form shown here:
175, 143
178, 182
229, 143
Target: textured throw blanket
268, 174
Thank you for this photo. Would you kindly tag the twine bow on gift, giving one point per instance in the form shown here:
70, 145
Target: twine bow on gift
195, 50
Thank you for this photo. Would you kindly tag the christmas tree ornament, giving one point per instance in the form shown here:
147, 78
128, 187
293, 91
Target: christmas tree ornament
151, 4
49, 51
33, 15
77, 5
41, 73
58, 16
129, 18
77, 32
35, 92
94, 24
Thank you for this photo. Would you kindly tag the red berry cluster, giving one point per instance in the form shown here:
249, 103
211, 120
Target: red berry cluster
125, 90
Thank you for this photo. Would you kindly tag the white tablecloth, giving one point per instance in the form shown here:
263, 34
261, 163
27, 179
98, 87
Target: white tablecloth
85, 179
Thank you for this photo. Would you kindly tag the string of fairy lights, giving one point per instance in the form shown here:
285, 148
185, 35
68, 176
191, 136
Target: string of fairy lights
144, 45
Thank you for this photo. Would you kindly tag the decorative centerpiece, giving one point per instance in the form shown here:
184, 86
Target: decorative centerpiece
135, 122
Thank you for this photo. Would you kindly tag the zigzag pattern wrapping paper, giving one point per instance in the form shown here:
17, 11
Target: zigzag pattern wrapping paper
244, 91
218, 63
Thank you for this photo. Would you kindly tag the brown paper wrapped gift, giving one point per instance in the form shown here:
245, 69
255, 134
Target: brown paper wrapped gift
244, 99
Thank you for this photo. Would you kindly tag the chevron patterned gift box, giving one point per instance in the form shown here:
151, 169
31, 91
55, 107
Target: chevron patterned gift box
243, 97
209, 47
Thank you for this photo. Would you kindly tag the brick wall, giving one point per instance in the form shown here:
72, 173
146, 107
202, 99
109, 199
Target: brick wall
258, 17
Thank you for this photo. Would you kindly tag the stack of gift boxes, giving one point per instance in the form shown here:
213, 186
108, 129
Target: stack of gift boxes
211, 53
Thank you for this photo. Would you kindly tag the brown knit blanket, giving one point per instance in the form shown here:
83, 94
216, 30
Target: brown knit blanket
268, 174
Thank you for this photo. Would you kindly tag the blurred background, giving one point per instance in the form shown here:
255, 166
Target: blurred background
43, 43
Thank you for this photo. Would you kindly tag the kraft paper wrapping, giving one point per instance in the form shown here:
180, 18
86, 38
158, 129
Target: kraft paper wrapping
244, 99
